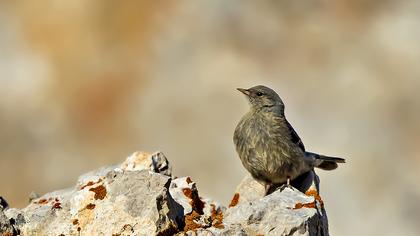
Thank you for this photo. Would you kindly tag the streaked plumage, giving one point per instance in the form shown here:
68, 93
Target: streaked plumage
268, 146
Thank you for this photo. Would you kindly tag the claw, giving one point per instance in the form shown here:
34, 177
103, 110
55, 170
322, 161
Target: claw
286, 185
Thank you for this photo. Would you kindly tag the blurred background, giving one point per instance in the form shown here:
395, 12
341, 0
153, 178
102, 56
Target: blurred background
84, 84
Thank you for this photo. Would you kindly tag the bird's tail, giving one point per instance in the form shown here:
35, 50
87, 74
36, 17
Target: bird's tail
325, 162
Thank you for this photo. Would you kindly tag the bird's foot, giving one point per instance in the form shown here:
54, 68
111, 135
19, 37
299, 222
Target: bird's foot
286, 185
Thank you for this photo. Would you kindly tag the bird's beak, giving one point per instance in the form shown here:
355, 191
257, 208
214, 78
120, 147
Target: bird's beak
244, 91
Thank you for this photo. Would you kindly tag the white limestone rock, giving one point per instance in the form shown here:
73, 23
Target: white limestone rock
112, 200
296, 210
140, 197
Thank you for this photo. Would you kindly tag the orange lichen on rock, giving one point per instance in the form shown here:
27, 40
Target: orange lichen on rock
315, 194
90, 206
172, 229
234, 200
100, 192
216, 218
56, 205
42, 201
317, 198
90, 183
196, 203
187, 192
306, 205
190, 221
192, 218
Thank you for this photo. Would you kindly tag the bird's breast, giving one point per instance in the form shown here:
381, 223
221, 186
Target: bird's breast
264, 148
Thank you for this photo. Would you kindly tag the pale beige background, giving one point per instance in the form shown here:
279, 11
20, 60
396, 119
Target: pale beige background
85, 83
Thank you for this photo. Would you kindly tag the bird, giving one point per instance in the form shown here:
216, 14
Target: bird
268, 146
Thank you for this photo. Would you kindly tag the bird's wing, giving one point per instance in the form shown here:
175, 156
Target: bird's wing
295, 136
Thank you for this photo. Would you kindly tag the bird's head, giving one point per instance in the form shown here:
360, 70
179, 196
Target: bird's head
261, 97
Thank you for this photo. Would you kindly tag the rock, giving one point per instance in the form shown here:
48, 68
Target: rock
249, 189
287, 211
7, 224
121, 202
3, 203
140, 197
6, 228
155, 162
198, 212
127, 199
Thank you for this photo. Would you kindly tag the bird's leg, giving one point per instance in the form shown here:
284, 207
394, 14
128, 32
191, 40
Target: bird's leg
286, 185
267, 188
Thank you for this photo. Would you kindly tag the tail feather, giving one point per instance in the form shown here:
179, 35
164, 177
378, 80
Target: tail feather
334, 159
325, 162
327, 165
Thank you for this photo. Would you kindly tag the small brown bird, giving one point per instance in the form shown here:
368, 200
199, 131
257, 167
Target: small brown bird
269, 147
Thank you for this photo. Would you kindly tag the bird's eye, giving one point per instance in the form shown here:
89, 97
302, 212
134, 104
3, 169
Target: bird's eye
259, 94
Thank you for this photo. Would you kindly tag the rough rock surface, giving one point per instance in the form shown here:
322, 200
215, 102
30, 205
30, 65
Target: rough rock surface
140, 197
6, 227
281, 213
